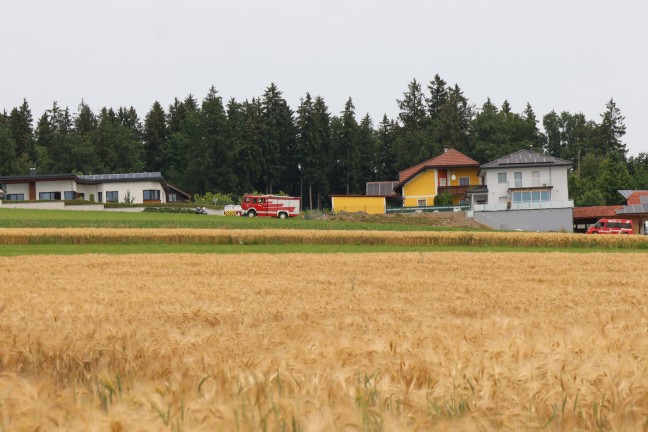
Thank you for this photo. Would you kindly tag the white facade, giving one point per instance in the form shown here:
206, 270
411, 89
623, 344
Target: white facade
502, 182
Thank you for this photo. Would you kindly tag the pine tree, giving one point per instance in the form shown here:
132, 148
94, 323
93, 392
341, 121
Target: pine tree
250, 152
438, 97
386, 149
348, 149
20, 123
234, 139
129, 119
533, 138
85, 121
367, 149
313, 143
453, 121
221, 175
278, 138
8, 160
611, 130
414, 141
154, 136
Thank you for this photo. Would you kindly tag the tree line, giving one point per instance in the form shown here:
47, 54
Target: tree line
264, 145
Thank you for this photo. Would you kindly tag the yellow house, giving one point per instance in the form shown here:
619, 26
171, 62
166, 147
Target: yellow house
370, 204
452, 172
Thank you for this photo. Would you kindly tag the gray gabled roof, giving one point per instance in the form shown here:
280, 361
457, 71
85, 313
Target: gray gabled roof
522, 158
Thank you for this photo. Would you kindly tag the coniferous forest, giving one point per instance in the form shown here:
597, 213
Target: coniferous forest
313, 150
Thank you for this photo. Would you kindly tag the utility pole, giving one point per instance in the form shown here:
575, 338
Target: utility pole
578, 164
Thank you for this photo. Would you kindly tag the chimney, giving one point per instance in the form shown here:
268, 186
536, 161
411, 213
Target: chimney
32, 171
445, 149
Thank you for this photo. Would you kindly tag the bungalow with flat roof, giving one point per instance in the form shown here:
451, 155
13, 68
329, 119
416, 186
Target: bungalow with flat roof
145, 187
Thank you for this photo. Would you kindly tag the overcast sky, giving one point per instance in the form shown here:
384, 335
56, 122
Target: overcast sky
563, 55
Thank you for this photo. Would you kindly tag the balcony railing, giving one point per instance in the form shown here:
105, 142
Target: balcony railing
456, 190
530, 183
530, 205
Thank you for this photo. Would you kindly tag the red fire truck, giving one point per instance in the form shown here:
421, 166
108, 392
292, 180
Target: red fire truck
270, 205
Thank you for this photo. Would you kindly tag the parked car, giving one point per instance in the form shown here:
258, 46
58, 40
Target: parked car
612, 226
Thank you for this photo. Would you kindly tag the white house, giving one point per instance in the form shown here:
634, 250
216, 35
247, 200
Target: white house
524, 190
146, 187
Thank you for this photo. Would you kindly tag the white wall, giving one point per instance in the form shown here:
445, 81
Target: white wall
136, 190
54, 186
18, 188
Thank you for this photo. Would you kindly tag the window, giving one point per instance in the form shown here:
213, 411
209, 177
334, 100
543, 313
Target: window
501, 178
531, 196
112, 196
15, 197
422, 203
518, 179
172, 197
151, 195
443, 181
69, 195
49, 196
464, 181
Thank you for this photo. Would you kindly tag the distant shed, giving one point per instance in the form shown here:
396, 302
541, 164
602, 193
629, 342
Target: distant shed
370, 204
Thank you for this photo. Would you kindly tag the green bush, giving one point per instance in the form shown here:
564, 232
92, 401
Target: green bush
443, 199
210, 198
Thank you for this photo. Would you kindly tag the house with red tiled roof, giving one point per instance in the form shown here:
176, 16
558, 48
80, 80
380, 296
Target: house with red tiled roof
451, 171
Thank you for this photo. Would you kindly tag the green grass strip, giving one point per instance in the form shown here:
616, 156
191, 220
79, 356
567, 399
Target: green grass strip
23, 218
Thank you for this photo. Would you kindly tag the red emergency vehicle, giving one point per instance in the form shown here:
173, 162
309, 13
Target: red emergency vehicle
270, 205
611, 226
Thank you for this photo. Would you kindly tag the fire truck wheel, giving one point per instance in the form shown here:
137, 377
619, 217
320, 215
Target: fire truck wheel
251, 213
282, 216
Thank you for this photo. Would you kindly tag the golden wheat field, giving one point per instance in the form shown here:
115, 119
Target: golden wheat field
403, 341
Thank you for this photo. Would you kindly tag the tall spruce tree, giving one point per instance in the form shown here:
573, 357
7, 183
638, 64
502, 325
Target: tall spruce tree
251, 150
611, 130
386, 149
413, 140
20, 123
313, 141
85, 120
234, 137
154, 136
347, 147
278, 139
8, 160
222, 177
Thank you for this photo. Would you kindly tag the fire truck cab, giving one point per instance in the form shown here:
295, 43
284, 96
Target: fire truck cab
281, 207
